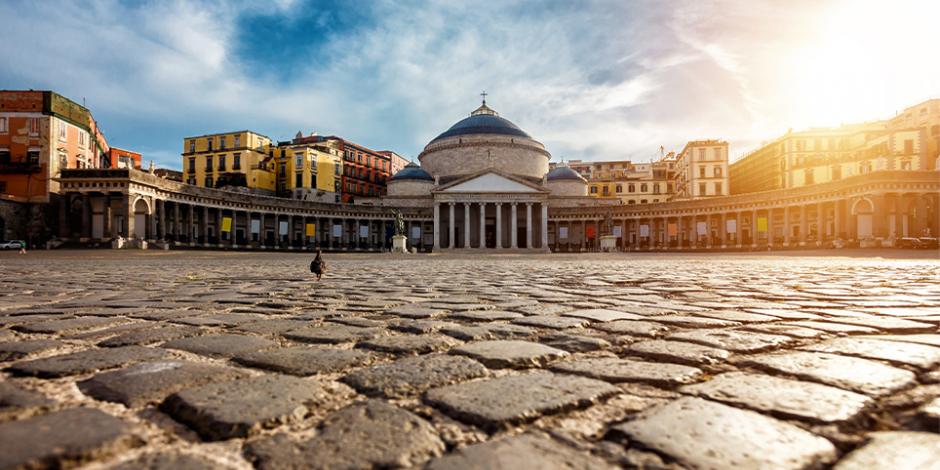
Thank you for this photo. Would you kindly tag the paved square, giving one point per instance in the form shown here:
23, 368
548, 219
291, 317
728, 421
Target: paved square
576, 360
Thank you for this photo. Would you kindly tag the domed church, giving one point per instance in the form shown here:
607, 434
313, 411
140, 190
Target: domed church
489, 185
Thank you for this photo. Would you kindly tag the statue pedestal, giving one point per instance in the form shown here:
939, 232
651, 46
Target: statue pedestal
608, 243
399, 244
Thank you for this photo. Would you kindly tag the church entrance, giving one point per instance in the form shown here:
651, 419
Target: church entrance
520, 237
490, 232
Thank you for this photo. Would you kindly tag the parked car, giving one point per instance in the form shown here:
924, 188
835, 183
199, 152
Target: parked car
908, 242
12, 245
929, 243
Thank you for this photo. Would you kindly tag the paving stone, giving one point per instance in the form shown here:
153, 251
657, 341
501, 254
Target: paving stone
408, 344
509, 400
733, 340
551, 321
356, 321
485, 315
831, 327
678, 351
896, 450
221, 345
86, 361
14, 350
694, 322
783, 397
51, 441
707, 435
68, 325
544, 309
490, 331
372, 434
535, 451
245, 407
633, 327
602, 315
510, 353
168, 461
421, 326
303, 360
861, 375
612, 369
271, 327
890, 325
930, 412
911, 354
413, 375
929, 340
417, 311
574, 343
15, 398
787, 330
150, 336
151, 382
333, 334
787, 314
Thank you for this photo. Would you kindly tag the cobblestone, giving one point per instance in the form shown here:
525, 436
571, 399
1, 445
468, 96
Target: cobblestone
572, 361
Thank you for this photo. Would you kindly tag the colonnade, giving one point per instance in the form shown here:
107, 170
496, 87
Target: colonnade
887, 216
489, 224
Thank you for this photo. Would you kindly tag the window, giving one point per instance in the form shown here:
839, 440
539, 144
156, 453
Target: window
192, 164
208, 181
836, 172
237, 140
619, 188
63, 130
701, 171
606, 190
718, 191
593, 189
3, 125
631, 188
808, 176
643, 188
717, 171
222, 143
908, 147
905, 164
299, 180
191, 180
221, 162
4, 155
299, 161
701, 189
701, 154
717, 152
655, 188
283, 169
643, 201
237, 161
192, 146
63, 160
209, 144
208, 163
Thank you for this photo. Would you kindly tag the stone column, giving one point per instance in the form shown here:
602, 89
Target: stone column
176, 221
499, 225
723, 229
234, 233
437, 226
466, 223
513, 243
161, 227
708, 231
804, 225
754, 233
544, 224
821, 222
921, 223
450, 226
583, 234
899, 216
739, 228
205, 224
679, 232
218, 226
482, 225
192, 225
528, 225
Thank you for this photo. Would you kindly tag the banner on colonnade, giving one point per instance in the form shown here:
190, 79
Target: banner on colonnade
255, 226
762, 224
311, 229
226, 224
731, 226
363, 231
644, 230
337, 230
701, 228
563, 233
672, 230
618, 231
416, 232
283, 228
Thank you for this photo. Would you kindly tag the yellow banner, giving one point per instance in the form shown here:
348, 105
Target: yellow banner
311, 229
762, 224
226, 224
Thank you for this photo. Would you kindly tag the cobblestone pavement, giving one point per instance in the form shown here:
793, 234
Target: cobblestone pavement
232, 360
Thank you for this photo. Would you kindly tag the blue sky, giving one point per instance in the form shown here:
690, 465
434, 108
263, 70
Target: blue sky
597, 80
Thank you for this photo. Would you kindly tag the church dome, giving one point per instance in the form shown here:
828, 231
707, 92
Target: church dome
483, 121
564, 172
411, 171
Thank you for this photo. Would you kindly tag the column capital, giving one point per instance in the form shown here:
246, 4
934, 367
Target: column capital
451, 203
514, 204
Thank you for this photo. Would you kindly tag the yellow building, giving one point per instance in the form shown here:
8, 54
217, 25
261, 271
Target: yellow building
631, 183
308, 171
240, 158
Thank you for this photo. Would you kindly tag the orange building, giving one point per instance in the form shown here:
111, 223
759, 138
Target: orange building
41, 133
120, 158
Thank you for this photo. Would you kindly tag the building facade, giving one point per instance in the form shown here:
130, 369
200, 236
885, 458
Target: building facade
242, 159
702, 170
628, 182
120, 158
308, 169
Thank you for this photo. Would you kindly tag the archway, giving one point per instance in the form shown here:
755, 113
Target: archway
141, 211
863, 210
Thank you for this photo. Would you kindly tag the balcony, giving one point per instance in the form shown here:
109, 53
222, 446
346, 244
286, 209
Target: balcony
19, 167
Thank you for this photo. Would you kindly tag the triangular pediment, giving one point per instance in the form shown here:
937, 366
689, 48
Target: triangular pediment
490, 182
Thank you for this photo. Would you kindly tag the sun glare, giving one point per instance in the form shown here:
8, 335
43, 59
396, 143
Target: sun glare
868, 58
